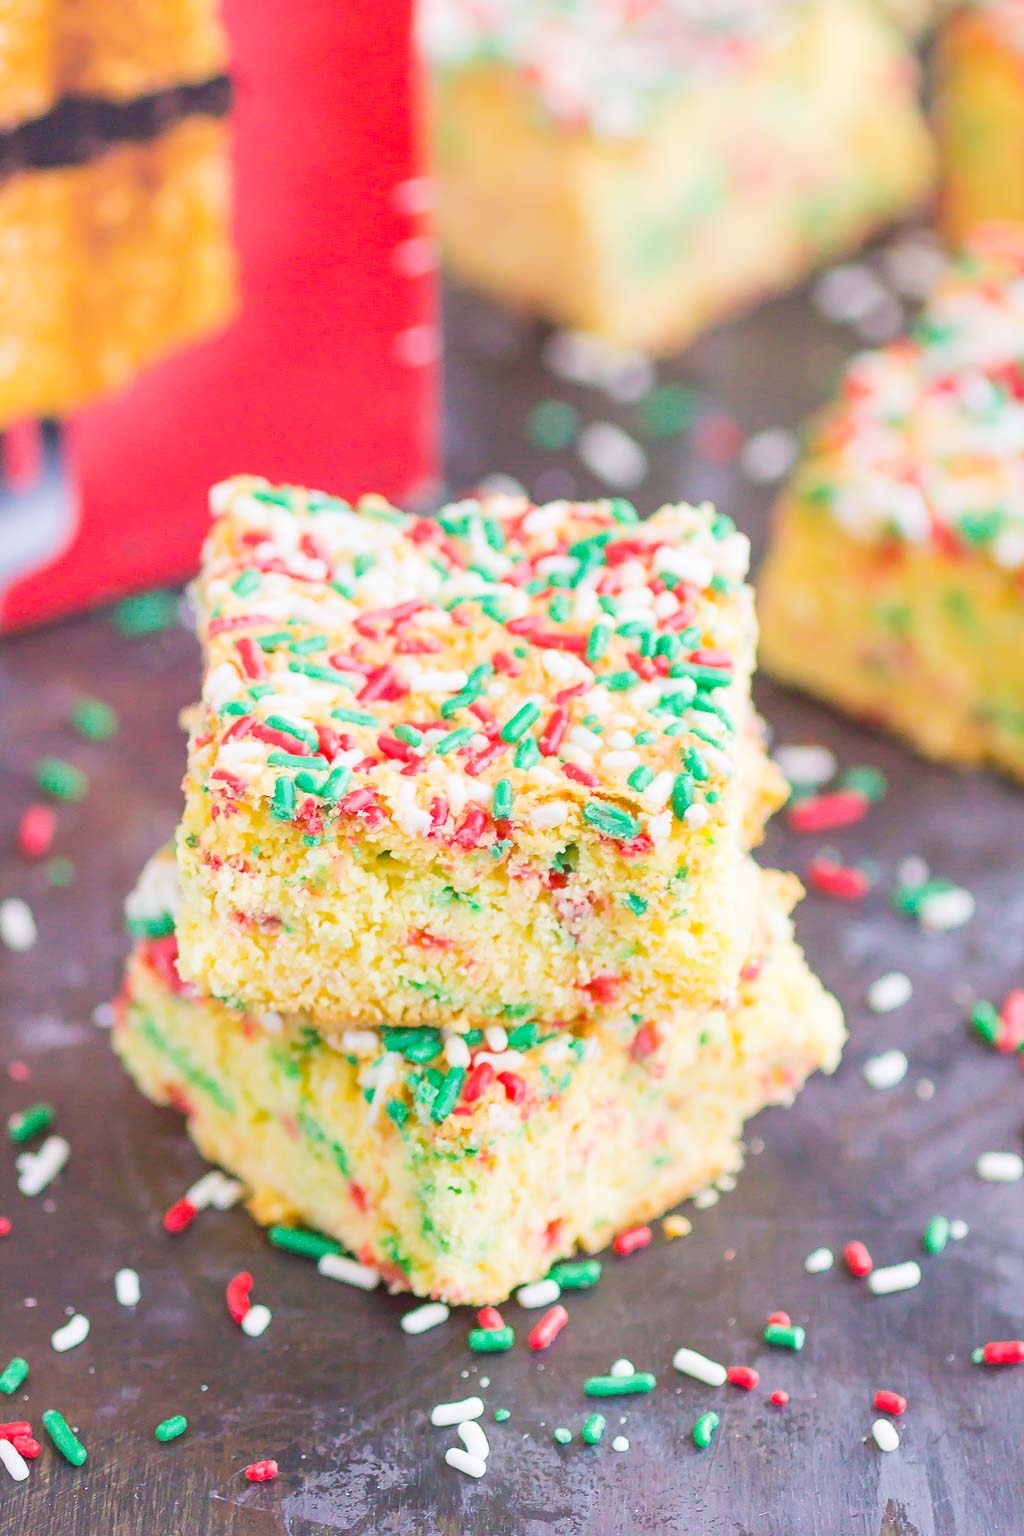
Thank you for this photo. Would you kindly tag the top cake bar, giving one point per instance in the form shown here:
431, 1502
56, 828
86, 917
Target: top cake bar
500, 767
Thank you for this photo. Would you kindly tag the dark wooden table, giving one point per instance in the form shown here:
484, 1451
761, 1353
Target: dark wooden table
334, 1390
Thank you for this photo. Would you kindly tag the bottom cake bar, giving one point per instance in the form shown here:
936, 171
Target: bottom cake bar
462, 1167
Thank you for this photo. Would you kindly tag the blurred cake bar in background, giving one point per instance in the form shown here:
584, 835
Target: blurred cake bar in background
461, 1166
641, 171
895, 584
114, 195
980, 99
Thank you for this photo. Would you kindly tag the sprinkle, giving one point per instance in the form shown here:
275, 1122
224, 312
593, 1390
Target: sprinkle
779, 1397
819, 1261
36, 830
17, 925
593, 1428
885, 1070
170, 1429
699, 1367
857, 1259
676, 1226
552, 424
421, 1319
620, 1443
622, 1368
782, 1337
462, 1461
60, 779
300, 1240
935, 1235
812, 766
576, 1275
74, 1332
546, 1331
25, 1445
256, 1320
843, 881
262, 1471
999, 1167
501, 1414
26, 1123
179, 1216
885, 1435
147, 613
337, 1267
889, 1402
127, 1288
491, 1341
38, 1170
612, 455
610, 820
895, 1277
743, 1376
826, 813
617, 1386
958, 1230
768, 455
632, 1240
13, 1374
473, 1438
946, 910
13, 1461
443, 1414
520, 722
540, 1294
1000, 1352
888, 992
94, 720
779, 1319
64, 1437
704, 1429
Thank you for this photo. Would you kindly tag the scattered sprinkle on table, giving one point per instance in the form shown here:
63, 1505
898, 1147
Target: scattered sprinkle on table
72, 1333
37, 1170
806, 766
421, 1319
26, 1123
94, 719
894, 1277
1000, 1352
36, 829
491, 1341
676, 1226
13, 1374
617, 1386
462, 1461
779, 1397
612, 455
744, 1376
768, 455
458, 1412
818, 1262
785, 1336
704, 1429
620, 1443
857, 1259
546, 1331
170, 1429
261, 1471
256, 1320
300, 1240
473, 1438
886, 1070
936, 1234
17, 925
632, 1240
1000, 1167
64, 1437
61, 779
889, 992
563, 1435
349, 1271
622, 1367
890, 1402
576, 1274
14, 1462
946, 910
885, 1435
127, 1288
593, 1428
691, 1363
540, 1294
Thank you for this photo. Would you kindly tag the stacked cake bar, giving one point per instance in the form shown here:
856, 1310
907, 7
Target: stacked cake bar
894, 585
113, 194
980, 95
465, 961
639, 171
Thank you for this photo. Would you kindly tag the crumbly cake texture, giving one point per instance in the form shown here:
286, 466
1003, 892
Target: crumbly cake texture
462, 1166
561, 126
894, 584
500, 766
980, 115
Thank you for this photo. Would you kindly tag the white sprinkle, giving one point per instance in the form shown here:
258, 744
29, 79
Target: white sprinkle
699, 1367
912, 870
474, 1439
127, 1288
848, 293
958, 1230
496, 1036
765, 457
202, 1191
336, 1267
818, 1262
360, 1042
705, 1199
886, 1070
256, 1321
897, 1277
612, 454
443, 1414
17, 925
14, 1461
946, 910
226, 1192
623, 1368
103, 1015
74, 1332
38, 1169
551, 814
541, 1294
885, 1435
999, 1167
456, 1051
420, 1319
913, 264
811, 765
462, 1461
620, 1443
889, 991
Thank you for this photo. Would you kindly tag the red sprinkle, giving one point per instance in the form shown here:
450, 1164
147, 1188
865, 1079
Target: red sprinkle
179, 1216
15, 1427
476, 1085
547, 1330
844, 881
1011, 1017
261, 1471
551, 737
890, 1402
1004, 1352
251, 656
858, 1261
514, 1086
489, 1317
743, 1376
5, 1226
237, 1294
824, 813
35, 831
25, 1444
779, 1320
630, 1241
779, 1398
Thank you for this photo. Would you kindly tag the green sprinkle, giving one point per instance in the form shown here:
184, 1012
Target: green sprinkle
272, 641
559, 609
985, 1021
695, 764
523, 1037
618, 682
623, 511
563, 1435
610, 820
59, 872
157, 927
597, 642
527, 753
13, 1374
520, 722
935, 1235
593, 1429
309, 646
282, 807
353, 716
322, 674
27, 1123
792, 1337
303, 1241
636, 904
60, 779
294, 728
501, 804
491, 1341
397, 1112
619, 1386
447, 1094
683, 790
64, 1437
501, 1414
94, 720
576, 1274
171, 1428
640, 778
704, 1429
336, 783
909, 899
295, 760
668, 411
454, 740
246, 581
146, 614
704, 677
419, 1045
866, 781
409, 734
363, 563
273, 496
307, 783
552, 424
